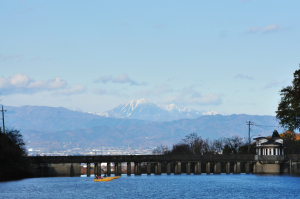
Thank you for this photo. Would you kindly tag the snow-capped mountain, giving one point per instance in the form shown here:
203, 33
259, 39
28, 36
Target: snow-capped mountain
145, 110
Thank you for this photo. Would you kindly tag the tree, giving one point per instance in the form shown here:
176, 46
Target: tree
227, 149
275, 134
291, 142
233, 143
13, 158
160, 150
288, 111
181, 149
244, 149
195, 143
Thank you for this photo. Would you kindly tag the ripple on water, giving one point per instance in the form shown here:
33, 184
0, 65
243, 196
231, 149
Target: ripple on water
163, 186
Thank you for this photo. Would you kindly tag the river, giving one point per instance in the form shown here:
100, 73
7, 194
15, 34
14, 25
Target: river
162, 186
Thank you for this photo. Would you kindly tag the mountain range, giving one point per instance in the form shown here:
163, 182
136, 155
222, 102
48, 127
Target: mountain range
145, 110
48, 125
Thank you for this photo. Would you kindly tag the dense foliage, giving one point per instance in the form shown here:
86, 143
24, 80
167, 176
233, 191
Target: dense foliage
291, 142
288, 112
194, 144
13, 158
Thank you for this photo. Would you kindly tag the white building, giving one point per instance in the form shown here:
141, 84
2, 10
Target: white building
269, 146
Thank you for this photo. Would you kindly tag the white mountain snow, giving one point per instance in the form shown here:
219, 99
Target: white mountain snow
145, 110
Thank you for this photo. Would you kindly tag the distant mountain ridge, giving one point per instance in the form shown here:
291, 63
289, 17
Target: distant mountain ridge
145, 110
51, 119
43, 125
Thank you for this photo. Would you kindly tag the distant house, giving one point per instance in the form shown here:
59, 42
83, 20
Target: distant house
269, 146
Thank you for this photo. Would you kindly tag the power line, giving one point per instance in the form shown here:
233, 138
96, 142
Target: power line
265, 125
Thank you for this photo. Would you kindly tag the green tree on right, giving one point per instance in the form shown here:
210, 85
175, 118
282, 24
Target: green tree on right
288, 112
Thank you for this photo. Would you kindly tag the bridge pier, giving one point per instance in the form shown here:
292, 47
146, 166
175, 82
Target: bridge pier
108, 169
227, 167
247, 167
197, 168
88, 170
158, 168
217, 168
97, 168
178, 168
237, 168
137, 168
117, 168
128, 168
168, 168
148, 168
188, 168
208, 168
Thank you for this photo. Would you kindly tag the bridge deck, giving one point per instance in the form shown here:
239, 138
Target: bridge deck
143, 158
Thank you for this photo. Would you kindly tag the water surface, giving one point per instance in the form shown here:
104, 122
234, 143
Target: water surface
163, 186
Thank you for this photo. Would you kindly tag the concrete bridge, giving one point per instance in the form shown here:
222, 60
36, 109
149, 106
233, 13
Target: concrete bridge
157, 164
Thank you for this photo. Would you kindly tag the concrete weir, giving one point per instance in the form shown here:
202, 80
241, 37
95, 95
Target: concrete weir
58, 169
268, 164
177, 164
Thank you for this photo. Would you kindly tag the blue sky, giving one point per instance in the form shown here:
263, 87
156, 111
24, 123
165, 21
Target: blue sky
229, 56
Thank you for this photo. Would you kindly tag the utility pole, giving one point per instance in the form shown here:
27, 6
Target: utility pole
249, 141
3, 118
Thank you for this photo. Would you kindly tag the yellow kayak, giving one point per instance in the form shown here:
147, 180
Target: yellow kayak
114, 177
102, 179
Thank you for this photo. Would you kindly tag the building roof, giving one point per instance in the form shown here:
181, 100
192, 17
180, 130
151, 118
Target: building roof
272, 138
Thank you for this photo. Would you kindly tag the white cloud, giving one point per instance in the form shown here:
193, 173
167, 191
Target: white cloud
101, 91
189, 96
103, 79
122, 79
21, 83
185, 96
51, 84
271, 28
274, 83
244, 77
253, 29
76, 89
11, 57
196, 99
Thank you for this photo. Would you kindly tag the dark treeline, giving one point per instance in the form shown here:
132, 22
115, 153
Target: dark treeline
291, 142
194, 144
14, 163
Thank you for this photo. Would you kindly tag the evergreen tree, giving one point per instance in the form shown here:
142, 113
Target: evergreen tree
13, 158
288, 112
275, 134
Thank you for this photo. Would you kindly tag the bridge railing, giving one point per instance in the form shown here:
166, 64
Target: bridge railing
143, 158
